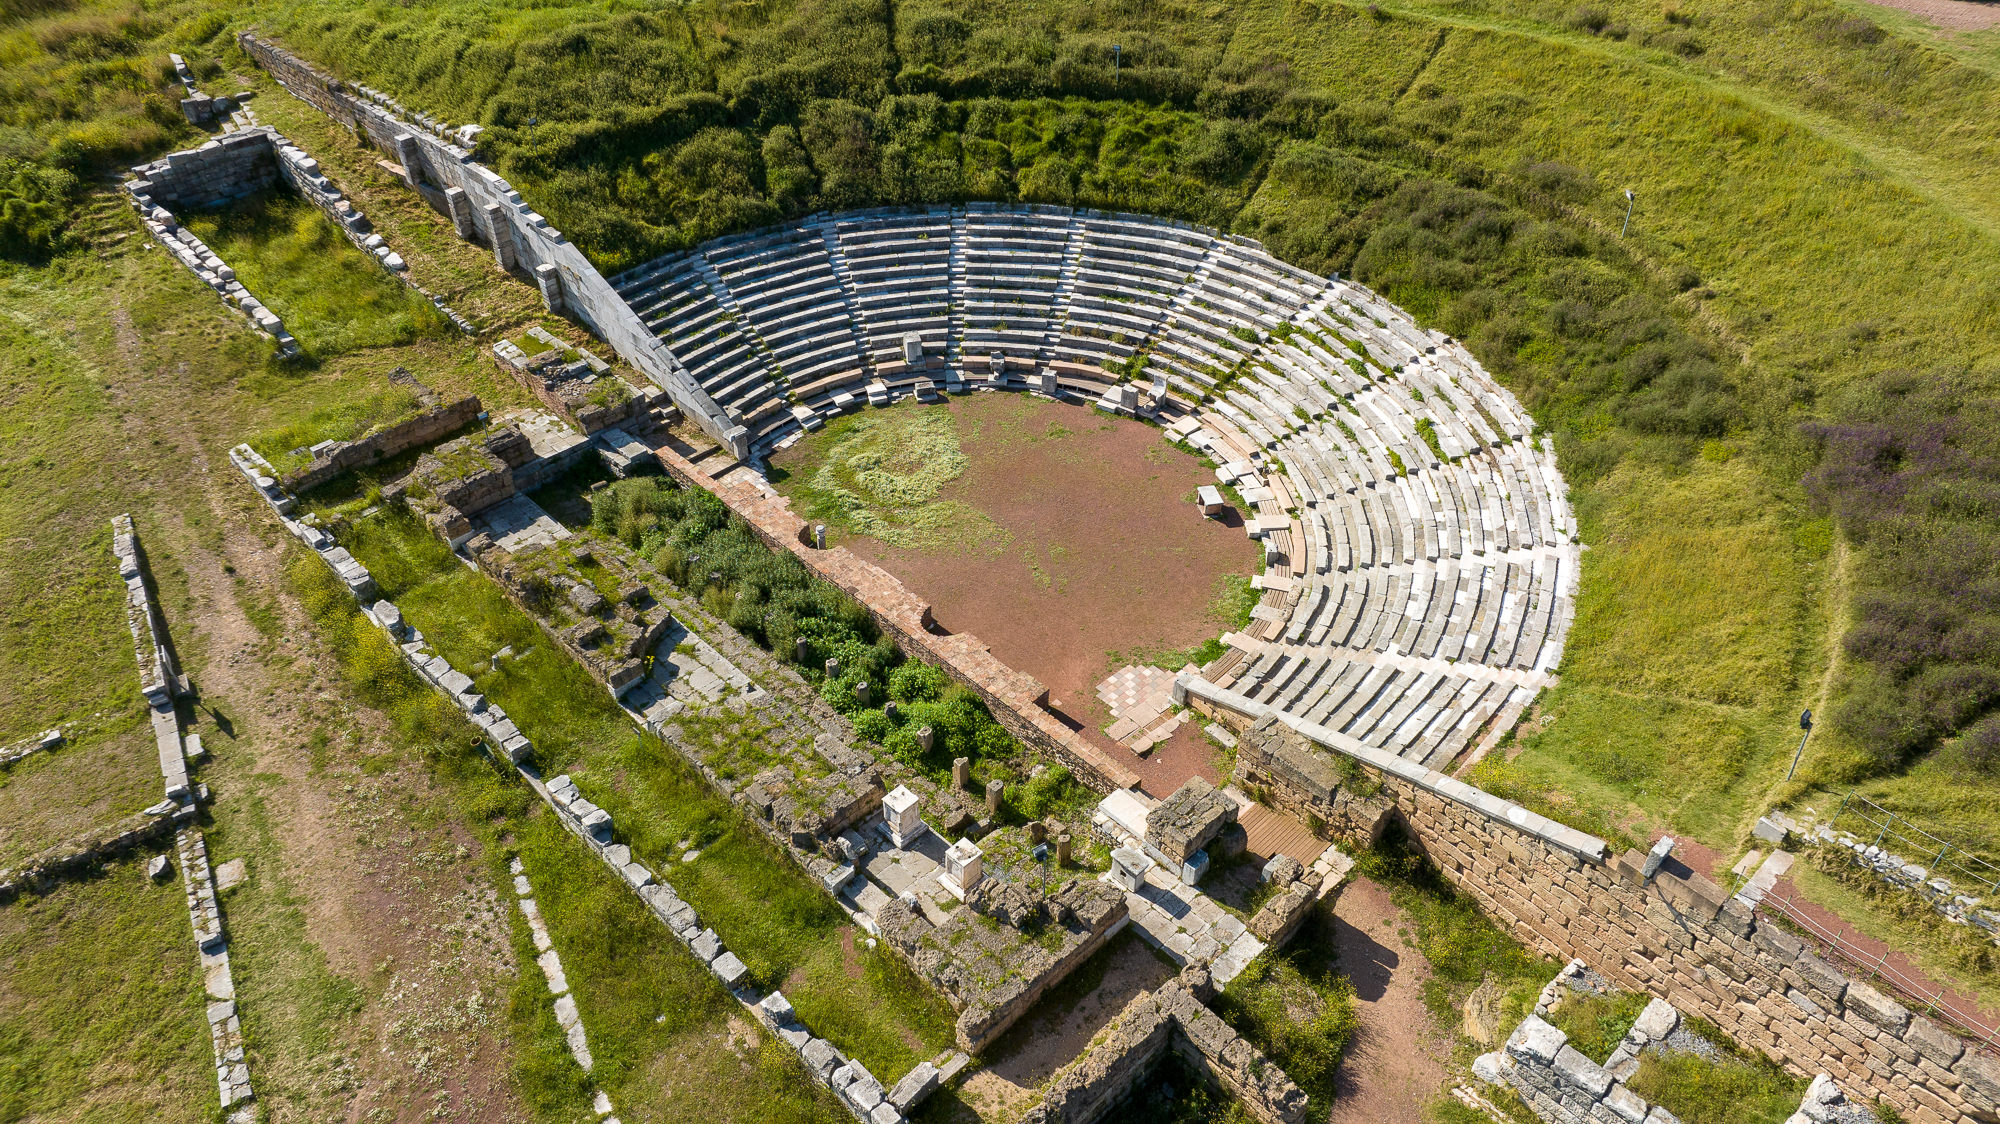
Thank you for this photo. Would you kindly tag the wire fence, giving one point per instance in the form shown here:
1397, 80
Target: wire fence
1913, 990
1944, 858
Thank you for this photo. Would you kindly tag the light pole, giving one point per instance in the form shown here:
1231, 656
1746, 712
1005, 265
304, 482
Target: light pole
1629, 196
1805, 723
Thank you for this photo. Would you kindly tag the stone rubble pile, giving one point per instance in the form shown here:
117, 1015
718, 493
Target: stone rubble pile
27, 747
1563, 1086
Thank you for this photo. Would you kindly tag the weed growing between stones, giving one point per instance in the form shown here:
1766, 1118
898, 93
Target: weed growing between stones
1296, 1007
1596, 1023
1740, 1089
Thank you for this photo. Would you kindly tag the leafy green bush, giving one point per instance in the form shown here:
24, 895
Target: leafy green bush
1296, 1007
771, 597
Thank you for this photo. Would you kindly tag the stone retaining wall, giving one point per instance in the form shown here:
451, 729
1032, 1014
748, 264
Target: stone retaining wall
227, 169
1649, 926
1014, 697
486, 208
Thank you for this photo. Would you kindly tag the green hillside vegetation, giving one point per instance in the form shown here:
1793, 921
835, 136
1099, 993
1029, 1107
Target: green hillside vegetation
1810, 269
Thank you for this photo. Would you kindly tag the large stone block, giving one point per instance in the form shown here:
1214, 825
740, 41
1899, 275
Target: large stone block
1581, 1073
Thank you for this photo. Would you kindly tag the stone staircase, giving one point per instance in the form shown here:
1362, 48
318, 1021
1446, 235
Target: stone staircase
1072, 264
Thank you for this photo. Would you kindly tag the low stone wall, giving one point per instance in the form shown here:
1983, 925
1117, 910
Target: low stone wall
1174, 1017
1014, 698
1649, 926
86, 852
485, 207
345, 456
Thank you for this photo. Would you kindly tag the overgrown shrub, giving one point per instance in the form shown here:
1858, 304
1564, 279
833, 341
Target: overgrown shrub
1914, 479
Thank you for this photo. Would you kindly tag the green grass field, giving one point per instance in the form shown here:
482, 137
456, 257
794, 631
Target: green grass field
104, 1013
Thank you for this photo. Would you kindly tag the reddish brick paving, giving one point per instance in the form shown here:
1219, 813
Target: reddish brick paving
1106, 556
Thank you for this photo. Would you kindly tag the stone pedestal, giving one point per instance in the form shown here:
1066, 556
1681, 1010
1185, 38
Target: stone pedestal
961, 867
899, 811
994, 789
460, 206
961, 773
1128, 869
500, 235
913, 348
1062, 849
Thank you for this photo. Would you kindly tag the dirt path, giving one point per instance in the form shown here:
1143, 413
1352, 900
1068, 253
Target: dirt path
1952, 15
1395, 1066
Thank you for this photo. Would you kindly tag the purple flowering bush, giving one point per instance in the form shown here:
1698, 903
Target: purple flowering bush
1913, 479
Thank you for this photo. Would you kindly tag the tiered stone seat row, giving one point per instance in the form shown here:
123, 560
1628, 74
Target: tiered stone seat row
676, 301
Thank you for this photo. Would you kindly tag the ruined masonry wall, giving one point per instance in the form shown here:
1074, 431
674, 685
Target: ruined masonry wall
420, 430
1676, 935
519, 237
1127, 1051
224, 170
1012, 696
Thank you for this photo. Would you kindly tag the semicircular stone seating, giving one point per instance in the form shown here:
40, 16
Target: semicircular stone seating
1421, 552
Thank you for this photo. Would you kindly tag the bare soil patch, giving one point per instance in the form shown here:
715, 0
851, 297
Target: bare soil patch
1098, 550
1395, 1066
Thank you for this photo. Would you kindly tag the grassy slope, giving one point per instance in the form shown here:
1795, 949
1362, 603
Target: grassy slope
1701, 630
766, 910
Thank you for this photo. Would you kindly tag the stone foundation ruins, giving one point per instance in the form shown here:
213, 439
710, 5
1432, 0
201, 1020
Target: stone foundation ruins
1010, 944
1647, 923
1421, 565
1563, 1086
332, 458
1128, 1051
